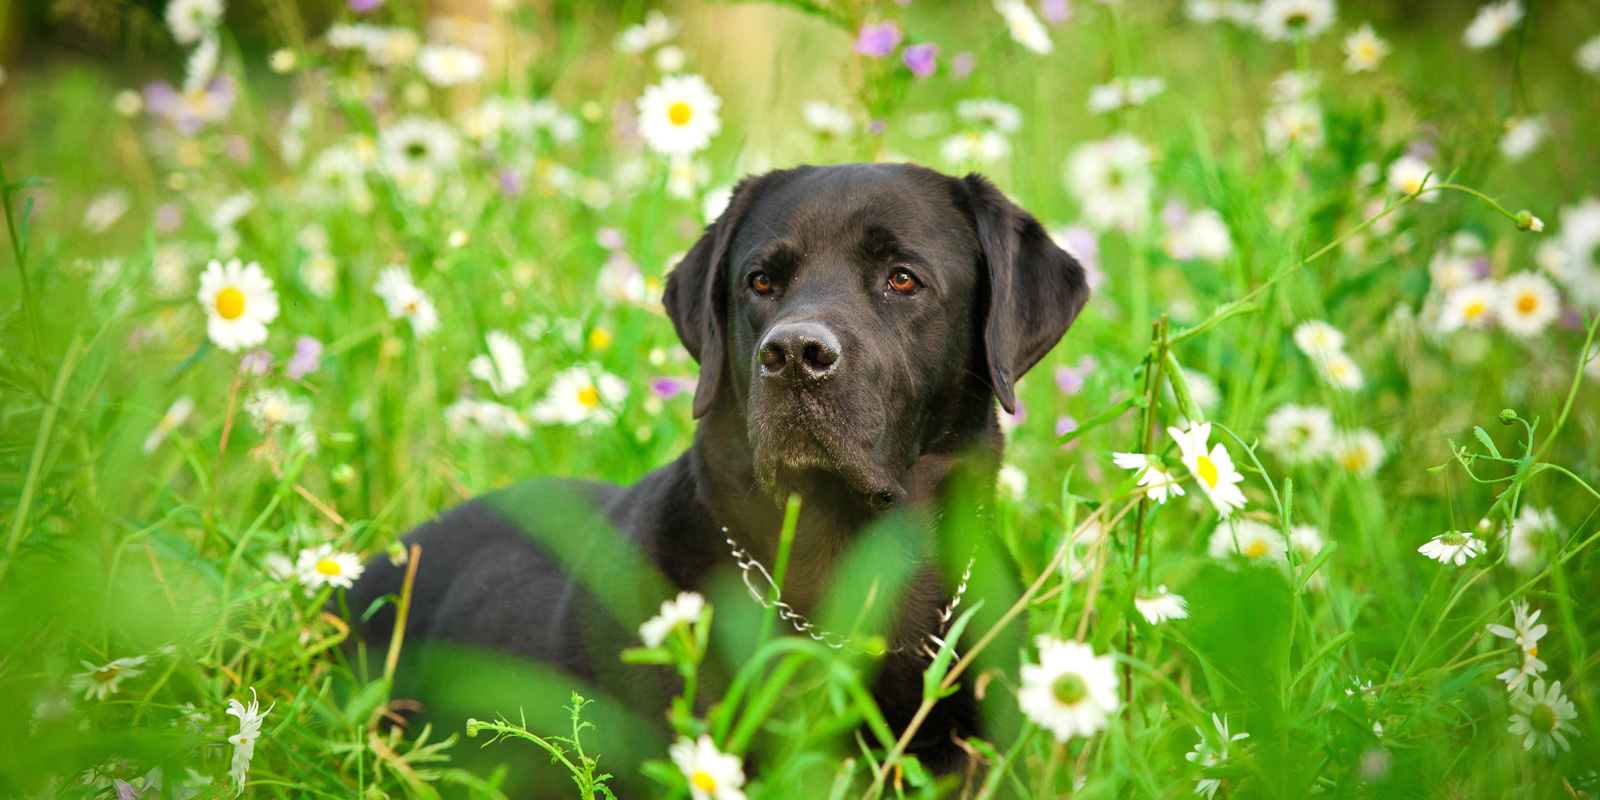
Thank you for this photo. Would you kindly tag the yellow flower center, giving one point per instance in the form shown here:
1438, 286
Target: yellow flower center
678, 114
1206, 470
230, 303
1474, 310
107, 674
1542, 718
589, 396
1255, 549
1527, 303
702, 781
599, 339
1353, 462
328, 566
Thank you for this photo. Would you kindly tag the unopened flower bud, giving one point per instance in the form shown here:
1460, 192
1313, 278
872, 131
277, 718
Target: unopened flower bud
1528, 222
1508, 416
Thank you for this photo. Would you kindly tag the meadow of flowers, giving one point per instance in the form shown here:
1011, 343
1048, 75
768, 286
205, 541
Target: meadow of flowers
1305, 503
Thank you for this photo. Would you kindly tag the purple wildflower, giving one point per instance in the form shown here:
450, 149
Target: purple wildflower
511, 182
669, 387
878, 40
307, 357
1055, 12
255, 362
961, 66
1070, 380
363, 6
921, 59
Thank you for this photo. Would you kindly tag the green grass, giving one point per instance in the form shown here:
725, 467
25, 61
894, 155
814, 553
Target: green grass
110, 552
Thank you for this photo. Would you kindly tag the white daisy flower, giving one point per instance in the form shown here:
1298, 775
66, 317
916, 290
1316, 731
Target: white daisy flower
449, 65
403, 299
1580, 238
1492, 23
1111, 179
1360, 452
272, 408
1213, 470
580, 394
97, 682
104, 211
1161, 605
679, 115
1025, 27
494, 419
1470, 305
1121, 93
1258, 542
1283, 20
670, 59
1406, 176
415, 152
1522, 137
1587, 56
1299, 434
176, 415
1203, 235
1363, 50
1457, 546
1527, 669
244, 742
189, 20
975, 147
325, 566
1306, 541
1163, 485
1071, 691
1543, 717
1297, 125
239, 302
1013, 481
712, 774
504, 368
1003, 117
685, 609
1318, 339
1526, 631
656, 30
826, 118
1528, 304
1341, 372
1532, 529
1209, 752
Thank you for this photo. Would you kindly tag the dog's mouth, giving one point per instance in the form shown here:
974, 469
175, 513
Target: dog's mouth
808, 448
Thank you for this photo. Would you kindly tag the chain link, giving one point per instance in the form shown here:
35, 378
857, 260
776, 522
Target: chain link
773, 599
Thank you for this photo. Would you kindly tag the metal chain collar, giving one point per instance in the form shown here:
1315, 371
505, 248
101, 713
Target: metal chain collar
774, 601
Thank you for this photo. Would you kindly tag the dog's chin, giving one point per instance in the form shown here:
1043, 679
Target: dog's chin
794, 461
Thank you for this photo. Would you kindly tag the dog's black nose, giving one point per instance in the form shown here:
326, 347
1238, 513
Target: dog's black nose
799, 351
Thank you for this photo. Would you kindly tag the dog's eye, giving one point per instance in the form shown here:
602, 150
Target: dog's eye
761, 282
904, 282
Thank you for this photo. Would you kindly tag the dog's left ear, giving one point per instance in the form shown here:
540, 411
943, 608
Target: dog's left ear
696, 294
1036, 289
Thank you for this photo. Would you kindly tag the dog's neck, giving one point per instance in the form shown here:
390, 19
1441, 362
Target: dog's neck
722, 465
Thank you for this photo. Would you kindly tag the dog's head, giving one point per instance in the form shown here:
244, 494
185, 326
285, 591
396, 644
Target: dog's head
847, 313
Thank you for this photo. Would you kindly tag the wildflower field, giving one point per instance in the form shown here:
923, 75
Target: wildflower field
1305, 503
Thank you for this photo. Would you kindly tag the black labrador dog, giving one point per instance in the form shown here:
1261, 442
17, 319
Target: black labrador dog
854, 326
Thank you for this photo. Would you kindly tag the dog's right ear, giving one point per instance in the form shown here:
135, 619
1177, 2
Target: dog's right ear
696, 295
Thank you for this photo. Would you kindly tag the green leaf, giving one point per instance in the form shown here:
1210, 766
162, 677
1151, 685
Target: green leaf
1180, 387
1483, 436
365, 702
1101, 418
934, 674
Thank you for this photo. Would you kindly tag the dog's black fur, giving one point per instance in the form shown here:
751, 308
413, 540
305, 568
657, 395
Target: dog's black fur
817, 376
